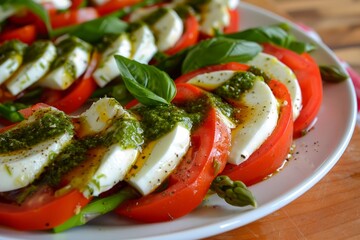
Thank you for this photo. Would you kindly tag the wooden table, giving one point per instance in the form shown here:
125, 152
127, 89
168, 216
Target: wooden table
331, 209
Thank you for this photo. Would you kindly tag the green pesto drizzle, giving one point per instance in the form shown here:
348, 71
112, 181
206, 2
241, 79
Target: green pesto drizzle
237, 84
36, 50
11, 48
161, 119
48, 124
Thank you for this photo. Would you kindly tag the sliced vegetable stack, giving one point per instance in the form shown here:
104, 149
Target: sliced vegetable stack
139, 107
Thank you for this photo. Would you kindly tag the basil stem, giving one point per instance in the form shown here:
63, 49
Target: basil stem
148, 84
10, 112
97, 208
332, 74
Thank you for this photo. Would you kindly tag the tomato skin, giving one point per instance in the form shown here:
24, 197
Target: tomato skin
234, 25
26, 34
309, 78
45, 215
72, 99
189, 183
189, 37
114, 5
73, 17
272, 153
226, 66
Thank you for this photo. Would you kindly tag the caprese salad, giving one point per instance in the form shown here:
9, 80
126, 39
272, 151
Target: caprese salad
142, 108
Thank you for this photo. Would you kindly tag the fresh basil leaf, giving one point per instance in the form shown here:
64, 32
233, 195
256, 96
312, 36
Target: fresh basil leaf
94, 30
170, 64
32, 6
149, 85
217, 51
277, 34
332, 74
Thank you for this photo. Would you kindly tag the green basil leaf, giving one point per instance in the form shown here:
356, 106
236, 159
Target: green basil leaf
332, 74
217, 51
170, 64
149, 85
32, 6
94, 30
277, 34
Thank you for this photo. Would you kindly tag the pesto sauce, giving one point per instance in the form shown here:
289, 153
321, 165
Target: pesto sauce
48, 125
197, 109
64, 52
36, 50
258, 72
184, 11
125, 131
155, 16
237, 84
159, 120
11, 48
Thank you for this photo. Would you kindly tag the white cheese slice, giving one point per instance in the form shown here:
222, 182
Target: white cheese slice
214, 16
30, 72
279, 71
143, 44
159, 159
108, 69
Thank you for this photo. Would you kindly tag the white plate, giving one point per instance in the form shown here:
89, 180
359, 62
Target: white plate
318, 152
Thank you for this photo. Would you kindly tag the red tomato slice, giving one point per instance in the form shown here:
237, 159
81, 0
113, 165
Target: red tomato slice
73, 17
25, 17
26, 34
234, 21
190, 36
191, 180
42, 211
272, 153
114, 5
75, 4
72, 99
308, 75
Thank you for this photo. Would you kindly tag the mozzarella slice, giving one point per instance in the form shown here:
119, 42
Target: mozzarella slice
143, 44
158, 160
99, 116
279, 71
165, 24
113, 167
20, 167
259, 114
108, 69
168, 30
214, 16
74, 57
259, 119
11, 58
109, 165
30, 72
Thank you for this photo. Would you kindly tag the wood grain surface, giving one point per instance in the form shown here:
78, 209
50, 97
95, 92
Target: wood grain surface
331, 209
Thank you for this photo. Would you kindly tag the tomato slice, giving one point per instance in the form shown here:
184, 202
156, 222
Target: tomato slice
190, 36
114, 5
73, 17
190, 182
42, 211
273, 152
72, 99
308, 75
26, 34
234, 25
